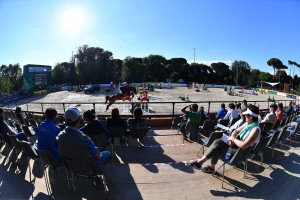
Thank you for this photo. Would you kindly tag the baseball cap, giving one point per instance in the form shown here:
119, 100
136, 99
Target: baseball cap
2, 111
72, 115
245, 101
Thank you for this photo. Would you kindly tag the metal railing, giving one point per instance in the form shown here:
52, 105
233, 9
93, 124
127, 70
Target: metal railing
170, 108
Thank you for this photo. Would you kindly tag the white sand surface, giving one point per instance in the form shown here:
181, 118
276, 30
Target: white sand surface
85, 101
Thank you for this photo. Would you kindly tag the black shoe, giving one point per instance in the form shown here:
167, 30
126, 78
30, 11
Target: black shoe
208, 170
194, 165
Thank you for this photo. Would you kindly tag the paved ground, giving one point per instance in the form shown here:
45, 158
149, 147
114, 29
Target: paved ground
277, 178
84, 101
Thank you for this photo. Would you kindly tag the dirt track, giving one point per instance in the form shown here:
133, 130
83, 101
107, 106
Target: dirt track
159, 95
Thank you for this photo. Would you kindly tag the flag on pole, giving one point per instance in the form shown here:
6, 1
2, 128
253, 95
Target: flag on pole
208, 71
202, 70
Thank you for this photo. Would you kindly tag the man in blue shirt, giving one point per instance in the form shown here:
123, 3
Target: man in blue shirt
75, 145
47, 133
222, 113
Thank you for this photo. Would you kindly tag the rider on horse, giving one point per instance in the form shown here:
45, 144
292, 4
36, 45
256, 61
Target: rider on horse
125, 90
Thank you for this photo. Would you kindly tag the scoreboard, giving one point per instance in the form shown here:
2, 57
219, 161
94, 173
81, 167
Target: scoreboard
36, 77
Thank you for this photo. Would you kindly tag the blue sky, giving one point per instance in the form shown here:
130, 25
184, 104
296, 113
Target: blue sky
38, 32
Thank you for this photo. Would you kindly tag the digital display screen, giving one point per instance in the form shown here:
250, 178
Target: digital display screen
40, 79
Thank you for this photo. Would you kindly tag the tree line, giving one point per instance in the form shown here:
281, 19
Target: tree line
93, 65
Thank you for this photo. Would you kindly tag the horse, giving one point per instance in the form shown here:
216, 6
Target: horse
112, 99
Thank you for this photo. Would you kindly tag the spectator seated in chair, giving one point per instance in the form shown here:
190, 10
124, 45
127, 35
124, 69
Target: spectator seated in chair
279, 112
222, 113
243, 137
47, 132
232, 113
192, 115
19, 115
93, 126
237, 124
138, 123
6, 130
74, 144
270, 117
116, 121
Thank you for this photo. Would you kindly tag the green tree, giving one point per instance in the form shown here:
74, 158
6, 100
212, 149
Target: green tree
275, 63
156, 66
222, 70
179, 65
59, 74
133, 70
265, 76
254, 77
6, 85
174, 76
244, 70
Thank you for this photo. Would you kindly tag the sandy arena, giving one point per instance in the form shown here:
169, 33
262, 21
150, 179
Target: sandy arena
84, 101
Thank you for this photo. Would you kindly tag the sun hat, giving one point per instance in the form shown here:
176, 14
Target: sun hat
249, 112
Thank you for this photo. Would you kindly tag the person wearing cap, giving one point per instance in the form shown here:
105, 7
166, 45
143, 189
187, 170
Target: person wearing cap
243, 137
47, 132
192, 115
222, 113
74, 144
270, 117
232, 113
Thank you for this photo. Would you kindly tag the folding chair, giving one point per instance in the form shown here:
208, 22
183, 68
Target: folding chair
192, 129
138, 134
273, 139
293, 130
16, 144
260, 147
48, 160
100, 140
208, 126
241, 156
208, 141
116, 132
28, 132
30, 153
224, 122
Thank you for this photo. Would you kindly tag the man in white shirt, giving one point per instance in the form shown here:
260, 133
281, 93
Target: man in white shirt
232, 113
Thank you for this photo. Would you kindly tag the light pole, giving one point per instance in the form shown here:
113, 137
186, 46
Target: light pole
194, 54
237, 75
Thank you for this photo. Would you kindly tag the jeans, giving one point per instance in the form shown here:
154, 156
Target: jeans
104, 157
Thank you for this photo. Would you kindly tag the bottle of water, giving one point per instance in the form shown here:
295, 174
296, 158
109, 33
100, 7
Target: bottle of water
227, 156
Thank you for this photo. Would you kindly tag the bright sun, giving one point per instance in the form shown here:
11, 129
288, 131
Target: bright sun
73, 21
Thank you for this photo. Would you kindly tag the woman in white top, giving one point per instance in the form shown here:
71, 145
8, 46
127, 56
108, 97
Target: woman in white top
243, 137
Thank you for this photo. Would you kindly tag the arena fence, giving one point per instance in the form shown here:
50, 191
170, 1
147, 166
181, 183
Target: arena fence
154, 109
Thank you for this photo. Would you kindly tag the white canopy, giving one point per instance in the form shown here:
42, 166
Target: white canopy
272, 84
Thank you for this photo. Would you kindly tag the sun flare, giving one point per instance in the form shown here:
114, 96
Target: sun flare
73, 21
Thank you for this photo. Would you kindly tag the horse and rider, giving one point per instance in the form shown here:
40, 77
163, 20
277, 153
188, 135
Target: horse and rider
124, 91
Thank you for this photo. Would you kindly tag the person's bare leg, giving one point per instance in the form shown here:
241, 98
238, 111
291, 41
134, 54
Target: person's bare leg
202, 160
